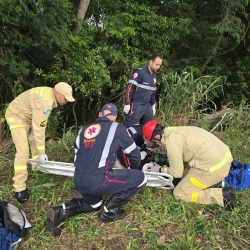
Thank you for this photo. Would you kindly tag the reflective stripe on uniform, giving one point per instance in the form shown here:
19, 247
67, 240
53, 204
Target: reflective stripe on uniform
194, 197
46, 94
191, 163
77, 142
109, 140
222, 163
8, 119
132, 130
144, 180
16, 126
130, 148
168, 130
40, 147
42, 91
197, 183
20, 167
141, 85
97, 204
35, 157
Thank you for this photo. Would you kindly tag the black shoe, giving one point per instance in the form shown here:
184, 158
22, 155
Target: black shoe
229, 198
57, 215
55, 218
22, 196
112, 211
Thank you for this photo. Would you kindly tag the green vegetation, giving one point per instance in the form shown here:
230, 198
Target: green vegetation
44, 42
155, 219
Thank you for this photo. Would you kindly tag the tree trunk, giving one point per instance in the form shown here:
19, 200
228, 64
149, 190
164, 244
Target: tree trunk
82, 9
214, 49
208, 59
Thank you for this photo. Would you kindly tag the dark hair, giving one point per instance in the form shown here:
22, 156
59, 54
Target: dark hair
158, 131
155, 56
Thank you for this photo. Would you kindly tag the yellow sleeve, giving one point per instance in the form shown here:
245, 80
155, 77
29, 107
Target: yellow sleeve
175, 156
41, 110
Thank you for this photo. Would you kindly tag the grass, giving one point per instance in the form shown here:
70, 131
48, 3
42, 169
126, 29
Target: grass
155, 219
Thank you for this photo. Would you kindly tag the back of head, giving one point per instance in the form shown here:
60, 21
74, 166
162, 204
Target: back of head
109, 109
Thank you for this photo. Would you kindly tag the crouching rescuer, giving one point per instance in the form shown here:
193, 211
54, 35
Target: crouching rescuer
95, 175
208, 160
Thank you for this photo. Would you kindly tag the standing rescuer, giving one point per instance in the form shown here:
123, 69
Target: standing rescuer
95, 175
208, 157
27, 117
140, 93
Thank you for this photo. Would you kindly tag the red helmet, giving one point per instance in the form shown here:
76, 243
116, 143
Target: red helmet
148, 129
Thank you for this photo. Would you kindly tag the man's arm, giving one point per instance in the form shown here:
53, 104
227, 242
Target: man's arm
174, 153
129, 148
133, 82
40, 114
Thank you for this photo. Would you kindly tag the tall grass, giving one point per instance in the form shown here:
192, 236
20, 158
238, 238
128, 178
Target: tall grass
183, 96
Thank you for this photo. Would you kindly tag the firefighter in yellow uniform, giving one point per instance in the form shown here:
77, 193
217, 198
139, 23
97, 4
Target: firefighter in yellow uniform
27, 117
208, 157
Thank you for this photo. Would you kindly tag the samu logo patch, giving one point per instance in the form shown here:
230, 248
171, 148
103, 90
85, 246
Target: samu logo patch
43, 124
46, 111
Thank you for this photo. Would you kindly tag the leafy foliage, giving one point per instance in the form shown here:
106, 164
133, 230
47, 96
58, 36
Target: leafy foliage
184, 96
38, 47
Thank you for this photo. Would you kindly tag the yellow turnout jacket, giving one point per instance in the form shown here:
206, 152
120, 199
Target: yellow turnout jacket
31, 109
198, 147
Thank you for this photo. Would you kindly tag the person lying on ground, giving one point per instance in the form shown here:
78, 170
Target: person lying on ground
146, 148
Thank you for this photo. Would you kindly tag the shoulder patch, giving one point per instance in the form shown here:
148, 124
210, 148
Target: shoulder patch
43, 124
46, 111
92, 131
135, 75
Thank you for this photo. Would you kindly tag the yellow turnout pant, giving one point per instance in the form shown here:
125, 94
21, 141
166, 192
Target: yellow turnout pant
20, 139
194, 187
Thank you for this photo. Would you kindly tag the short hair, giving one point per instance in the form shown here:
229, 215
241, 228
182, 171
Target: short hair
155, 56
157, 134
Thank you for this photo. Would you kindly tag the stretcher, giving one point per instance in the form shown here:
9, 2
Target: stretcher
155, 179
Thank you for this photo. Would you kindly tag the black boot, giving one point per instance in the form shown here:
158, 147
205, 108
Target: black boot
57, 215
112, 211
229, 198
22, 196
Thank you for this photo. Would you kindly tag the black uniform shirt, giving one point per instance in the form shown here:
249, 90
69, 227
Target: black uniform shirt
97, 144
141, 87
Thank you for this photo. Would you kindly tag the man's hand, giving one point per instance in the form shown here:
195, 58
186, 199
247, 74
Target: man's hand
126, 109
153, 109
164, 169
143, 155
42, 158
31, 137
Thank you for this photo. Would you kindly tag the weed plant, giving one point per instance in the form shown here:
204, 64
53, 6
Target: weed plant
184, 97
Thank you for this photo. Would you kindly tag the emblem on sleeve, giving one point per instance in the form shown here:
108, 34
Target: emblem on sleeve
43, 124
46, 111
92, 131
135, 75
